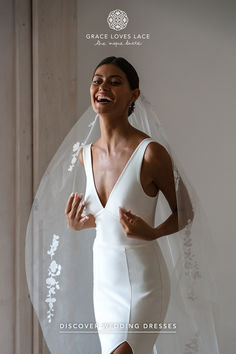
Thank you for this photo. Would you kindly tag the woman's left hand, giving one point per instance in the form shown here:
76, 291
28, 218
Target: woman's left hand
135, 227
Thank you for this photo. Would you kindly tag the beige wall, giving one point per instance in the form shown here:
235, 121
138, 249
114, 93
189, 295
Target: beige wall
44, 87
16, 174
38, 106
7, 186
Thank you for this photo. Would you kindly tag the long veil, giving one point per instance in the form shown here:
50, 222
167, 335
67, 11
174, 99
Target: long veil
59, 260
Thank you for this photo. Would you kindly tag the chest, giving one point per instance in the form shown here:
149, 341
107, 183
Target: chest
108, 171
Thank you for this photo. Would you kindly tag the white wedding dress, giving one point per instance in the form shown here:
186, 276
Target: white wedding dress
101, 275
130, 279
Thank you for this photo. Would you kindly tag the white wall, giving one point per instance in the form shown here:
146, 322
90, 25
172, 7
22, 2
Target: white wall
187, 71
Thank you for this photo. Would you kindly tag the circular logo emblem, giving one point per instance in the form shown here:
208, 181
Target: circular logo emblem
117, 20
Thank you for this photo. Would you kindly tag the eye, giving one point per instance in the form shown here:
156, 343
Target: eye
97, 82
115, 82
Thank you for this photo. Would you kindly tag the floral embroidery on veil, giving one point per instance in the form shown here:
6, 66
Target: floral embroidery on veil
54, 270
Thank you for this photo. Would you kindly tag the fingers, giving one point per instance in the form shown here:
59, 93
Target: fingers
75, 204
127, 216
123, 211
126, 221
127, 227
80, 211
69, 203
129, 222
74, 214
84, 219
124, 225
72, 204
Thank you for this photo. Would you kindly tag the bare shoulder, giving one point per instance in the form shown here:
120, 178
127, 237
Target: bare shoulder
160, 167
80, 157
157, 153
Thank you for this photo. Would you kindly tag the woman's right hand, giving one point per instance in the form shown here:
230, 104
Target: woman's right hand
73, 213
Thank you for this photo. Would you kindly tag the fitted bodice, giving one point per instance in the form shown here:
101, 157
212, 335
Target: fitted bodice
127, 193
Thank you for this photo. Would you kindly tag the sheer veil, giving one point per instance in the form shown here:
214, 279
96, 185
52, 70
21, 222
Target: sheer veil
59, 260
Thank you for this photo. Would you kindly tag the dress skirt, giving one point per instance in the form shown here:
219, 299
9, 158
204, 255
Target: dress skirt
131, 294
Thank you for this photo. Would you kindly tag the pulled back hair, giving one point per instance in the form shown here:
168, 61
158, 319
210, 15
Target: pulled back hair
128, 69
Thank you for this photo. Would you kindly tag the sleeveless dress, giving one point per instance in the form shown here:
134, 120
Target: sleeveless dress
130, 279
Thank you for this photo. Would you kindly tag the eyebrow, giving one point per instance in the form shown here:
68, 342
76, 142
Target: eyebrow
110, 76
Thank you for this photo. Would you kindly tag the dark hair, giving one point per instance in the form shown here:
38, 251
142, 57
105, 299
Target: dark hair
128, 69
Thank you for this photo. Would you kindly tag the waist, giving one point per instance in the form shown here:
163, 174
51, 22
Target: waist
136, 244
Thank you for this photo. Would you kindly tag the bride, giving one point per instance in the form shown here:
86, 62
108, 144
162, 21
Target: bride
144, 272
115, 157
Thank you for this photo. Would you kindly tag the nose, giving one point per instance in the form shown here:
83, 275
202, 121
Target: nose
103, 86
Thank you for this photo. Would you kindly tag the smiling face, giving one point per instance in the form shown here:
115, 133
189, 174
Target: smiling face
110, 84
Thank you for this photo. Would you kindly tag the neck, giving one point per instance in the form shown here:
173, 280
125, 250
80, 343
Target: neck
114, 131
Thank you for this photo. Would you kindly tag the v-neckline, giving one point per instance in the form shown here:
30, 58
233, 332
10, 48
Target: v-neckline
118, 179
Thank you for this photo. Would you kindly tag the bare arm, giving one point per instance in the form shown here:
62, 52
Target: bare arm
163, 177
158, 166
74, 208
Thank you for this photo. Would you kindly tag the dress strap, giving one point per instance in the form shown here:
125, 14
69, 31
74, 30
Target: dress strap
87, 161
140, 155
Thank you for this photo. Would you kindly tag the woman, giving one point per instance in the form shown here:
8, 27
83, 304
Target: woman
125, 239
121, 279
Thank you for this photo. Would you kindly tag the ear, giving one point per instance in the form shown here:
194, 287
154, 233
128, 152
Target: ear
135, 95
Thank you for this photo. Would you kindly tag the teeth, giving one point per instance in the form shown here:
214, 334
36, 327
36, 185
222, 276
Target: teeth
99, 98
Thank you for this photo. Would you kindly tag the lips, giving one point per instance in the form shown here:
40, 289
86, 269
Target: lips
103, 103
102, 98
